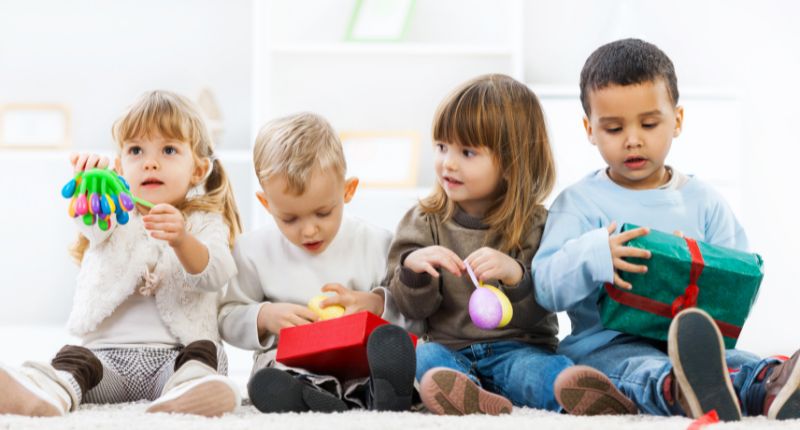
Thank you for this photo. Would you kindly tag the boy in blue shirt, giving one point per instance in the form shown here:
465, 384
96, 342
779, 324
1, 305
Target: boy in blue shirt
629, 94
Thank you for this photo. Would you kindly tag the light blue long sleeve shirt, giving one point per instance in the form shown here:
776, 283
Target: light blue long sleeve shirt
574, 258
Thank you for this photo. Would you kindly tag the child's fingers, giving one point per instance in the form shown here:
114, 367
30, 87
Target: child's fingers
305, 314
612, 228
334, 300
625, 266
626, 236
334, 288
621, 283
80, 162
431, 270
448, 264
629, 251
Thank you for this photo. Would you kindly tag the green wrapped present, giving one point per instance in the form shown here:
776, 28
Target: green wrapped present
682, 273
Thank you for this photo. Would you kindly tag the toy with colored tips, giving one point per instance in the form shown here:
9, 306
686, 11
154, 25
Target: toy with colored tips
97, 194
489, 308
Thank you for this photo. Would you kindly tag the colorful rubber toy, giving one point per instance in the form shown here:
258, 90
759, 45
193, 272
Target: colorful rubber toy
326, 313
98, 193
489, 308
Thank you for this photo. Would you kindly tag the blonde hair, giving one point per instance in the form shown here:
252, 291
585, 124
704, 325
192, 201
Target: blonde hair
174, 117
294, 146
503, 115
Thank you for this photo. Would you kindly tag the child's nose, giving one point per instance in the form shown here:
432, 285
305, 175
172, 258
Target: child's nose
633, 140
150, 164
450, 162
309, 229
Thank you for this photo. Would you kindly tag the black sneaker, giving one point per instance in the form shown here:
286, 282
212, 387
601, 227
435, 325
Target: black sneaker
698, 361
274, 390
782, 400
392, 365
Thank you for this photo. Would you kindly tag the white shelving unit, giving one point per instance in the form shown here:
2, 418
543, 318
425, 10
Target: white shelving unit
303, 62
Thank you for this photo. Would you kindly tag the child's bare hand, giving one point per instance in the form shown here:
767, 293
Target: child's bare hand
352, 301
488, 263
430, 258
619, 251
86, 161
165, 222
272, 317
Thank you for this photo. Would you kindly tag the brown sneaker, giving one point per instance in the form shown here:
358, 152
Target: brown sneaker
449, 392
782, 401
583, 390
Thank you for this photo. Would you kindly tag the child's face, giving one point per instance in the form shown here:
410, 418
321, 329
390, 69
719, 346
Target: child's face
468, 175
160, 170
312, 219
633, 127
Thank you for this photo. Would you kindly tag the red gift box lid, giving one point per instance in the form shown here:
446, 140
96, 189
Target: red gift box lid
335, 347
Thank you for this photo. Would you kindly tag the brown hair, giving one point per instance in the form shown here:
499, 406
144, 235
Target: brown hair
503, 115
172, 116
293, 146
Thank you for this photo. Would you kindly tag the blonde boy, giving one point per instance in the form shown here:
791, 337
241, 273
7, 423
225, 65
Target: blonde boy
301, 168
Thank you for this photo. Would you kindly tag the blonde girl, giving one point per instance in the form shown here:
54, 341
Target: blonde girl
494, 168
145, 305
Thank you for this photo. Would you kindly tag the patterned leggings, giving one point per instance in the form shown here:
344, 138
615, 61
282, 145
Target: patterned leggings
139, 373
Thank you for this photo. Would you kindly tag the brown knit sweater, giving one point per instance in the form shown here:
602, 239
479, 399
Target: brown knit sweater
443, 303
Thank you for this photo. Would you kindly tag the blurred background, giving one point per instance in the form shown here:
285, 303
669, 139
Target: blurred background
377, 70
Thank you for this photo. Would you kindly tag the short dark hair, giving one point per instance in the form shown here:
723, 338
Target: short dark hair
626, 62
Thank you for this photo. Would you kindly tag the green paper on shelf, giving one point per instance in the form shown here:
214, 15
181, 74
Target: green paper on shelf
682, 273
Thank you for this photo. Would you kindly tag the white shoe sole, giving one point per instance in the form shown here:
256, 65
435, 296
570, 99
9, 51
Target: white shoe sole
210, 396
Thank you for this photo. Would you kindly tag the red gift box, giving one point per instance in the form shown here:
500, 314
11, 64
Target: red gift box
335, 347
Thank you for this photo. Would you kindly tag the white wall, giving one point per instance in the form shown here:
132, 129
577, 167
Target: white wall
98, 56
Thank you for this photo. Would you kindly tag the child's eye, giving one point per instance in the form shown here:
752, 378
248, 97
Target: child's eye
440, 147
134, 150
613, 130
469, 153
650, 125
324, 214
288, 220
170, 150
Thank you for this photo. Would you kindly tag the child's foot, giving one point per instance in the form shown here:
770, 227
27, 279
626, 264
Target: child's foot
274, 390
392, 363
197, 389
582, 390
782, 400
449, 392
698, 360
31, 392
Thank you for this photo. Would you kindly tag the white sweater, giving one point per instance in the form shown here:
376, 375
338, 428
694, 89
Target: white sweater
113, 267
272, 269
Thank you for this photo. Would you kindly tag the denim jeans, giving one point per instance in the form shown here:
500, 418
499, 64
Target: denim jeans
522, 373
639, 366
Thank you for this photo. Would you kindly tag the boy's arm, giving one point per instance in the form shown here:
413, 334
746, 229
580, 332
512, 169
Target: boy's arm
416, 295
572, 261
239, 308
722, 228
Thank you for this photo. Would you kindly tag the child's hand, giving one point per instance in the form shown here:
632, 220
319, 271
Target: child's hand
272, 317
430, 258
86, 161
618, 250
488, 263
353, 301
165, 222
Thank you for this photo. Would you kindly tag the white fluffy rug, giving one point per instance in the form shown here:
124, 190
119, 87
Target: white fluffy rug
132, 416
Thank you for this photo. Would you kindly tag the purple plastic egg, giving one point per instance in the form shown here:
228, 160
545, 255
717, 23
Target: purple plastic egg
485, 309
126, 201
94, 203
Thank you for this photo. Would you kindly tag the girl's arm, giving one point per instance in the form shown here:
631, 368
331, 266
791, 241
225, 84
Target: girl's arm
415, 291
203, 253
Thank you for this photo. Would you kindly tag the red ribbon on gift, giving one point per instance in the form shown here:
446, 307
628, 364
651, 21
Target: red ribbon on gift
689, 297
687, 300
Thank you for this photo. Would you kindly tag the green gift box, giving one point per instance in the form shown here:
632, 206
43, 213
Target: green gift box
682, 273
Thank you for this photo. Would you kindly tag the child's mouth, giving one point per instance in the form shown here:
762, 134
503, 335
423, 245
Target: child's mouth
313, 246
451, 183
634, 163
151, 183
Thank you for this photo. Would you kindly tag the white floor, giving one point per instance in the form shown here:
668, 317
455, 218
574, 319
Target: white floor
41, 342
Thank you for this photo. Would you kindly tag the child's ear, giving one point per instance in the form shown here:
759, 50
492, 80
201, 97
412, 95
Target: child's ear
263, 200
587, 125
678, 121
350, 186
200, 170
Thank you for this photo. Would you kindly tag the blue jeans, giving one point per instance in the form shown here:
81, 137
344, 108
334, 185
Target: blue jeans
638, 367
522, 373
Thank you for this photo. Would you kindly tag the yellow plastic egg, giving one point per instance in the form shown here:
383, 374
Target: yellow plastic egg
326, 313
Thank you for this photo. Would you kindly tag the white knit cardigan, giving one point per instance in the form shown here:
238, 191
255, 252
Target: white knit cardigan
114, 264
